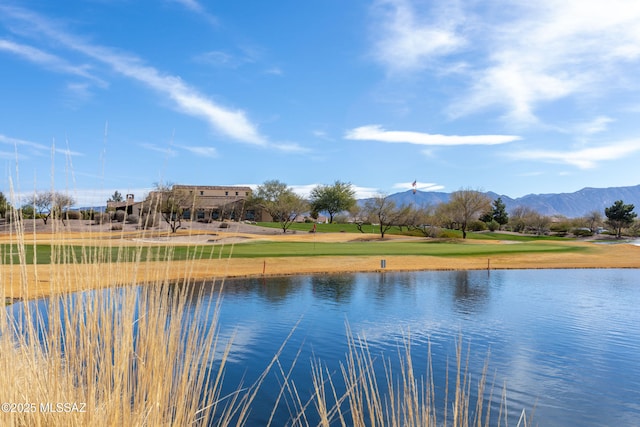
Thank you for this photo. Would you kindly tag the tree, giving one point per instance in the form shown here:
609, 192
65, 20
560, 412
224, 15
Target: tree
467, 205
4, 205
172, 203
498, 213
423, 220
518, 218
593, 220
49, 204
116, 197
332, 199
383, 210
619, 216
359, 216
539, 223
280, 202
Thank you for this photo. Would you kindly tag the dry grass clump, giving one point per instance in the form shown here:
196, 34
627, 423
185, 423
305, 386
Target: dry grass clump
125, 356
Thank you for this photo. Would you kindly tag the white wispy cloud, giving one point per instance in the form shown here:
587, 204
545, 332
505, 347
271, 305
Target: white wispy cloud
197, 8
48, 60
290, 147
231, 122
517, 55
597, 125
407, 40
35, 148
545, 51
218, 58
584, 158
209, 152
378, 133
167, 151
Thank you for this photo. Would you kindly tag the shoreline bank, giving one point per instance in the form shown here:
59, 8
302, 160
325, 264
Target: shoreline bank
35, 281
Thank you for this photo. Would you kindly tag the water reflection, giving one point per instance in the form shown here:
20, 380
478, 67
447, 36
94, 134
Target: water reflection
471, 291
334, 288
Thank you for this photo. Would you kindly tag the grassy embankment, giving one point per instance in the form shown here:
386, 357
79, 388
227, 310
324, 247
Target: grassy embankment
44, 253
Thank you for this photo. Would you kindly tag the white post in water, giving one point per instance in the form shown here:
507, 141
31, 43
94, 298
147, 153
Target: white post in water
383, 263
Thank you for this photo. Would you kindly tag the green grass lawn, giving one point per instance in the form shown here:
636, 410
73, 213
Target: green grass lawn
372, 229
45, 254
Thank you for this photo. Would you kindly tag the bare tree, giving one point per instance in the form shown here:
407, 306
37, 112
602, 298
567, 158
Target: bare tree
359, 216
423, 219
539, 223
468, 205
49, 204
383, 210
520, 217
593, 220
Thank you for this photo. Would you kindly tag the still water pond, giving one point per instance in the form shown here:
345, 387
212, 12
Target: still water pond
566, 342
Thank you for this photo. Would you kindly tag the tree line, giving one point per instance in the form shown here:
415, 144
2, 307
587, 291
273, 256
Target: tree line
466, 210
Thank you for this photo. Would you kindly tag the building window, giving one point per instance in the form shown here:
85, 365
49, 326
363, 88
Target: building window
236, 193
226, 193
202, 193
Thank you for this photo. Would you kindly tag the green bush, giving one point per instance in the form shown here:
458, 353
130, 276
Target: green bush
582, 232
477, 226
493, 225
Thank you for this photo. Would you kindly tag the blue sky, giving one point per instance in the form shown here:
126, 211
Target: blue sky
509, 96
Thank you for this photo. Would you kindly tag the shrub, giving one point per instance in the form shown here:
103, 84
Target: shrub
119, 216
74, 215
448, 234
101, 218
224, 225
132, 219
477, 226
150, 220
117, 227
582, 232
493, 225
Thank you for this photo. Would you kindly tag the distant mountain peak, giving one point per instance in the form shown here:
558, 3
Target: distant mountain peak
571, 205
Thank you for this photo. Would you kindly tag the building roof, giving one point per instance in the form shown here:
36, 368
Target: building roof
213, 187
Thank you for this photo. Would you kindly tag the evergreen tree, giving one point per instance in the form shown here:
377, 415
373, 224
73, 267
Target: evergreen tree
498, 213
620, 215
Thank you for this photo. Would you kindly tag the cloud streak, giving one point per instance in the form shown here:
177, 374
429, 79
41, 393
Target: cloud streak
409, 41
209, 152
378, 133
517, 55
48, 60
585, 158
230, 122
36, 148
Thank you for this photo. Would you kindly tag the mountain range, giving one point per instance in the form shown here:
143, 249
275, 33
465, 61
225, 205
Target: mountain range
570, 205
